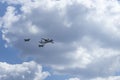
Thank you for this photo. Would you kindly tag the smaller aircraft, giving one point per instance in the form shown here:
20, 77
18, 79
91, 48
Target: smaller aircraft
26, 40
44, 41
40, 45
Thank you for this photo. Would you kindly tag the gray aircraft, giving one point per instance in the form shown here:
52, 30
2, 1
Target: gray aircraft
26, 40
44, 41
40, 45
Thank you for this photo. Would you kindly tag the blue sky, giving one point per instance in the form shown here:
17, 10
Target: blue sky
86, 38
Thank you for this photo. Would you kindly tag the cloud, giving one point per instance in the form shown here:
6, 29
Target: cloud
109, 78
99, 78
25, 71
74, 79
86, 34
89, 65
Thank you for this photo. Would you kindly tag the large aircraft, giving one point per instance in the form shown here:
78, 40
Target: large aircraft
26, 40
44, 41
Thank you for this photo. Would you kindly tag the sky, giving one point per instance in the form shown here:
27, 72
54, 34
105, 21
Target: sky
86, 38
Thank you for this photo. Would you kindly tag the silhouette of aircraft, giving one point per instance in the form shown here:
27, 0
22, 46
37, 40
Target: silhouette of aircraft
41, 45
44, 41
26, 40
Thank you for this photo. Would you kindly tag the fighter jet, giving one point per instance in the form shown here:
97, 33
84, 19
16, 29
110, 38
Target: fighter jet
40, 45
26, 40
44, 41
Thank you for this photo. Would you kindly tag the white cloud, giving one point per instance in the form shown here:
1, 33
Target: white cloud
24, 71
99, 78
74, 79
108, 78
10, 17
86, 34
91, 63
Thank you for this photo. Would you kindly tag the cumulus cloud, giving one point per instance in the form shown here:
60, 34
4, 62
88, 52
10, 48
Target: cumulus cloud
99, 78
86, 34
74, 79
25, 71
109, 78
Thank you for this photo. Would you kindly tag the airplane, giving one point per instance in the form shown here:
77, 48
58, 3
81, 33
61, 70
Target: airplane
44, 41
26, 40
40, 45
